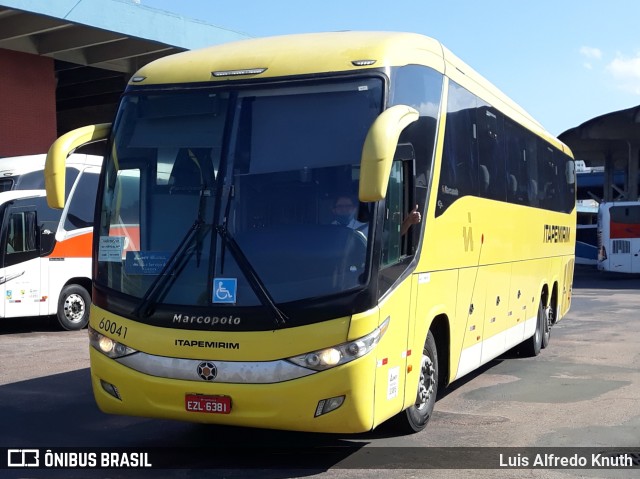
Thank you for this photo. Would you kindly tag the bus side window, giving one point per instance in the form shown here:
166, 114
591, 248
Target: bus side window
516, 160
460, 168
393, 214
20, 237
491, 146
6, 184
397, 248
82, 205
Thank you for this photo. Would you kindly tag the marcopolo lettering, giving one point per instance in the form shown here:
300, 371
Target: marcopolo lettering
450, 191
556, 234
207, 320
206, 344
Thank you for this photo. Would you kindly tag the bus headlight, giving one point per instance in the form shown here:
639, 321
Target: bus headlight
108, 346
342, 353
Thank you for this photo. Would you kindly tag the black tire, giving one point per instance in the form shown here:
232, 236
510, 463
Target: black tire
73, 307
546, 331
532, 346
415, 418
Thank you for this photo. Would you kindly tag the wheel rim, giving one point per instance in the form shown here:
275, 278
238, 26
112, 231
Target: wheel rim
74, 308
427, 382
548, 319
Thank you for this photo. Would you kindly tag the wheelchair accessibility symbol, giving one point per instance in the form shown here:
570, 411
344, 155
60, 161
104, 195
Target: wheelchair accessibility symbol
224, 290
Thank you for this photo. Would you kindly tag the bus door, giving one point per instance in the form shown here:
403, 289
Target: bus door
398, 297
21, 261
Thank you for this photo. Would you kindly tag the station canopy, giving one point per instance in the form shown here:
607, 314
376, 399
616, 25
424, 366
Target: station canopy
97, 45
611, 141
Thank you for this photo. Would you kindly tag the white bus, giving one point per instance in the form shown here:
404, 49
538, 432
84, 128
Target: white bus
13, 168
27, 172
619, 237
45, 263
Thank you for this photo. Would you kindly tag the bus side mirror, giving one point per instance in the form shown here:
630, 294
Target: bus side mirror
379, 148
54, 168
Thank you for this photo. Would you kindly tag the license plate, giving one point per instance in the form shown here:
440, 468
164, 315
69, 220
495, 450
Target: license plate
207, 404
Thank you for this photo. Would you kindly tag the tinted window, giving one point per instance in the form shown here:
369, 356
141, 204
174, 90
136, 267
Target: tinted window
491, 143
488, 155
21, 232
627, 214
459, 171
6, 184
82, 206
35, 180
516, 162
28, 218
421, 88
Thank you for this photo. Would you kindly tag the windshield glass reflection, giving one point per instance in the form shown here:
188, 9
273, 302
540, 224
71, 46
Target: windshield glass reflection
264, 169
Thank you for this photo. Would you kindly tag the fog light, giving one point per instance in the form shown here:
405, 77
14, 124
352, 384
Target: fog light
328, 405
111, 389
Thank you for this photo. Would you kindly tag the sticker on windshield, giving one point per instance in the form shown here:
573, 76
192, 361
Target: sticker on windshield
110, 248
145, 262
224, 290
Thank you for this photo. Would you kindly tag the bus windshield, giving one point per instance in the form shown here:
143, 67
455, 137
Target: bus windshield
237, 197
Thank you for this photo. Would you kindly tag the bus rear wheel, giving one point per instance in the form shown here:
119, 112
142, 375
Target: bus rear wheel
548, 321
73, 307
532, 346
416, 417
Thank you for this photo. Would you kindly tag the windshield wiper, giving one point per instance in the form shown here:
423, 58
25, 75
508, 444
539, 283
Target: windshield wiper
176, 259
252, 276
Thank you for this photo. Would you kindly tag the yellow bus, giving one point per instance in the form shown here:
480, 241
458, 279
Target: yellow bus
251, 266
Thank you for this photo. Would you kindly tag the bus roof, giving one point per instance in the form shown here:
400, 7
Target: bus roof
318, 53
18, 165
19, 194
301, 54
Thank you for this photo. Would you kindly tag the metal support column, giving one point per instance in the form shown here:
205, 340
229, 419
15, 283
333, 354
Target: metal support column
632, 171
607, 190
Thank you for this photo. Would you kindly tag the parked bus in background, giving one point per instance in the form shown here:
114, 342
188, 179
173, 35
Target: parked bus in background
619, 237
46, 253
27, 172
14, 167
225, 292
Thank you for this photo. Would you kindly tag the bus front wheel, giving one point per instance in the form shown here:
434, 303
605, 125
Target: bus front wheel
73, 307
416, 417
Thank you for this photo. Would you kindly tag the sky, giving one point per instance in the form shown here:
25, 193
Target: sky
564, 61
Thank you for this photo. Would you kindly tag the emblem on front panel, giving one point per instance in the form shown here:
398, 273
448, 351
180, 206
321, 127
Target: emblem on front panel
207, 370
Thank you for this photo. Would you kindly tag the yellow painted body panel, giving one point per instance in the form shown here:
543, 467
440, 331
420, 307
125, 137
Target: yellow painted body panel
288, 405
254, 345
391, 354
498, 282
